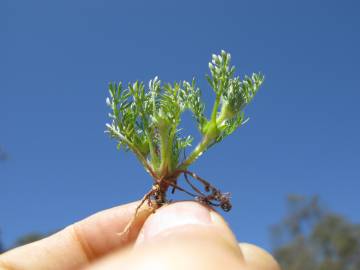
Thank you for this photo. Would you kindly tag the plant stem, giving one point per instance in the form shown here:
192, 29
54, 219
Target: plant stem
208, 137
169, 148
153, 155
224, 115
164, 136
199, 149
135, 150
215, 109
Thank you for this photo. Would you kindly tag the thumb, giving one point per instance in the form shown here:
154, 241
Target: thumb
184, 235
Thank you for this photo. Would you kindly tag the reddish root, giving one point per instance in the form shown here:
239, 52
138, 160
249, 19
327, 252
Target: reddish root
156, 196
147, 198
214, 197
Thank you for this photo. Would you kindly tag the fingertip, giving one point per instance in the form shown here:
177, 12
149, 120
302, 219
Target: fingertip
258, 258
172, 216
182, 235
185, 218
223, 228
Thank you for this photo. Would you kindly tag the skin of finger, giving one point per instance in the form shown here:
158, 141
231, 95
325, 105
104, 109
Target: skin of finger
185, 251
192, 247
257, 258
186, 207
199, 249
80, 243
185, 247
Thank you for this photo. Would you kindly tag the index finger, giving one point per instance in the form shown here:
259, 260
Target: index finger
79, 243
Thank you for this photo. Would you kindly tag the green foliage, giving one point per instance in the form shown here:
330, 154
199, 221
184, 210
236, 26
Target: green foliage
194, 102
147, 121
314, 239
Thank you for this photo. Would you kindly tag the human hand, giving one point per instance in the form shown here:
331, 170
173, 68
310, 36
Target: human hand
183, 235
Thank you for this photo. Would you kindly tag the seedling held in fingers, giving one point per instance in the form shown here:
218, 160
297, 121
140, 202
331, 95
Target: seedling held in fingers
145, 120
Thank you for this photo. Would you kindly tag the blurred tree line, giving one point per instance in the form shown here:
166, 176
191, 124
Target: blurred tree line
28, 238
2, 249
3, 156
313, 238
23, 240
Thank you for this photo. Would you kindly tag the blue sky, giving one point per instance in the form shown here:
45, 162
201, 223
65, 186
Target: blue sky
58, 57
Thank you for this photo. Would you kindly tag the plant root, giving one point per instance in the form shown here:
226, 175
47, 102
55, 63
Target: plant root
152, 204
156, 196
214, 196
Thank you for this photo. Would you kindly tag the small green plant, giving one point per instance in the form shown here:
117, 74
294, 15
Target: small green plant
146, 122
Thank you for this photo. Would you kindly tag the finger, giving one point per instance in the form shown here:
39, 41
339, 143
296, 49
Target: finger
257, 258
184, 235
80, 243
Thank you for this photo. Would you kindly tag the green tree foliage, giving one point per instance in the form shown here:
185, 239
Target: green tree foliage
313, 238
